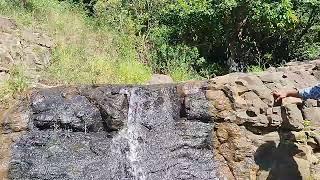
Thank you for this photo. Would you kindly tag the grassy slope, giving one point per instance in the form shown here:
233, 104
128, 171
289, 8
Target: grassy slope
84, 53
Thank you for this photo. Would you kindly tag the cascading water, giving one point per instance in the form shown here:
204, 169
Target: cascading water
163, 145
132, 134
127, 133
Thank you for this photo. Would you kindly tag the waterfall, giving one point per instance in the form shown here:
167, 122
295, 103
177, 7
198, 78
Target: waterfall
134, 114
162, 145
152, 142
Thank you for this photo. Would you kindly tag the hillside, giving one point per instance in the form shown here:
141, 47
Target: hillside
74, 103
51, 43
184, 39
97, 41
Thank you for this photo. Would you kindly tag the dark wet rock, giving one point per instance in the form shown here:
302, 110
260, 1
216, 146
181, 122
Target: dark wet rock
65, 155
55, 109
77, 135
198, 107
113, 105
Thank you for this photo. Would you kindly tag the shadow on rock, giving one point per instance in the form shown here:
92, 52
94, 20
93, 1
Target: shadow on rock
276, 162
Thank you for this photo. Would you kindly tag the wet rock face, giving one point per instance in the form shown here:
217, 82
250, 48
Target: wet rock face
112, 133
55, 110
225, 128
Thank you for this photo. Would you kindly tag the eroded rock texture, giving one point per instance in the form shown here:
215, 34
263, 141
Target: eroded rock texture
112, 132
226, 128
24, 48
257, 139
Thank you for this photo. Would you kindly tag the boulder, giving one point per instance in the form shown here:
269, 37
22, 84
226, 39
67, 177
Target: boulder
274, 115
253, 100
112, 104
291, 100
292, 119
155, 140
300, 79
191, 87
221, 104
312, 115
236, 149
160, 79
251, 118
310, 103
15, 119
13, 124
56, 109
271, 77
224, 128
274, 120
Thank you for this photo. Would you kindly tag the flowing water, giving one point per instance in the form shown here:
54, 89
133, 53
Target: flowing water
155, 143
162, 144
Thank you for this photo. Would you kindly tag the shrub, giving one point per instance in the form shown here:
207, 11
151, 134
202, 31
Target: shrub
255, 69
188, 39
15, 84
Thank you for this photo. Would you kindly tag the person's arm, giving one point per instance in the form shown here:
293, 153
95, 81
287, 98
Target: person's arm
306, 93
279, 95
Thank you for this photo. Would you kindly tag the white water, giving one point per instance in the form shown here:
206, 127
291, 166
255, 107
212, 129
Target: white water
132, 136
161, 146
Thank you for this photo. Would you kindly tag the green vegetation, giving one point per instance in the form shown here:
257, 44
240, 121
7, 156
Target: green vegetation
218, 36
85, 51
255, 69
16, 83
306, 123
116, 41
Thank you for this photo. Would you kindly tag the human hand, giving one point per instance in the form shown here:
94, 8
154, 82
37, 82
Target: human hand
279, 95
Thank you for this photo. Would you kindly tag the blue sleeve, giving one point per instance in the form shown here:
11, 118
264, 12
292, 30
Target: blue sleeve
310, 92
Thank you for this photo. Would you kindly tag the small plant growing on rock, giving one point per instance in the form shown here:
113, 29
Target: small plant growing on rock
16, 83
255, 69
306, 123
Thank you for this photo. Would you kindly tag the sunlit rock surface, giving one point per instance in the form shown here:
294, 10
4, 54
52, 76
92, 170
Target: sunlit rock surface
23, 48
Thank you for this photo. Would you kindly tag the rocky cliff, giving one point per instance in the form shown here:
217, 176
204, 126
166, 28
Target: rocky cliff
224, 128
19, 46
107, 132
25, 51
